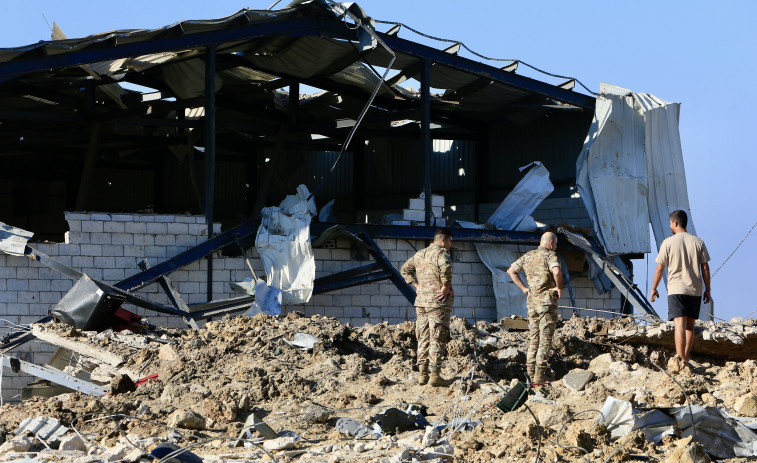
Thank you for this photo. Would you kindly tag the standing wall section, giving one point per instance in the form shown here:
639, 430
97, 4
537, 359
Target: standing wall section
109, 246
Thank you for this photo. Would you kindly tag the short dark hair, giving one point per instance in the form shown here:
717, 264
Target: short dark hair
680, 217
443, 232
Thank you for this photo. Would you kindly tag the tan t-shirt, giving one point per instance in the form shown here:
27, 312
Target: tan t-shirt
684, 255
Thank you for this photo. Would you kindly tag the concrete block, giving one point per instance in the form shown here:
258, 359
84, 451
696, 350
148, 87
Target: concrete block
94, 250
468, 301
361, 300
122, 217
332, 266
135, 227
197, 229
337, 312
577, 379
353, 312
386, 244
144, 240
129, 263
412, 246
105, 262
27, 273
391, 312
341, 254
398, 258
100, 238
7, 272
114, 227
359, 321
342, 300
594, 304
17, 285
471, 279
39, 285
412, 215
321, 254
398, 301
113, 250
417, 204
177, 228
165, 240
186, 240
113, 274
74, 225
77, 237
134, 251
388, 289
122, 238
378, 300
92, 226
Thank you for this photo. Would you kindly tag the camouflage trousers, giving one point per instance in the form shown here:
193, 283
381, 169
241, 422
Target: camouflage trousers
432, 332
542, 322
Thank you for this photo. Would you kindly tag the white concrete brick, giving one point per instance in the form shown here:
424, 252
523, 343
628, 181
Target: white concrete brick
186, 240
122, 217
18, 285
198, 229
27, 273
178, 228
39, 285
156, 228
379, 300
114, 227
362, 300
77, 237
105, 262
100, 238
74, 225
92, 226
113, 250
135, 227
113, 274
144, 240
94, 250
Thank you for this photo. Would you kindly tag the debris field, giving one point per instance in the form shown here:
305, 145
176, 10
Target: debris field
354, 395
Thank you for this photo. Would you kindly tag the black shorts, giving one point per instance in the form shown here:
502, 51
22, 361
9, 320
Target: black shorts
683, 305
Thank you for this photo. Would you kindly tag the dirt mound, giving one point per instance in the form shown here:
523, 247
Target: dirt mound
211, 380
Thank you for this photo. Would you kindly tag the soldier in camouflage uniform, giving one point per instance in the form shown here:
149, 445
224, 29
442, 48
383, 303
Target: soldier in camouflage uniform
429, 271
542, 269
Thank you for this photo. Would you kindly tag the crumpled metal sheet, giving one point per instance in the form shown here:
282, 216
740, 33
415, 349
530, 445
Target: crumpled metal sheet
13, 240
47, 429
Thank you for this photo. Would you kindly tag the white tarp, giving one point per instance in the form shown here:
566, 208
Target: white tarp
283, 241
514, 213
632, 160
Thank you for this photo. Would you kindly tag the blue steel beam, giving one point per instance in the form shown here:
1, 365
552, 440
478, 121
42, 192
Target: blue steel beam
144, 278
483, 70
303, 26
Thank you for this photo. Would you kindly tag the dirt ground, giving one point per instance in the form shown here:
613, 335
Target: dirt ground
212, 379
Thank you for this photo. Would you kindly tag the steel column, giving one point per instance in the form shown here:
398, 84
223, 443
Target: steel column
426, 135
210, 150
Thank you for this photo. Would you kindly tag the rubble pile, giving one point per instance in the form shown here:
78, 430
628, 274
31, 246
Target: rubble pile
316, 390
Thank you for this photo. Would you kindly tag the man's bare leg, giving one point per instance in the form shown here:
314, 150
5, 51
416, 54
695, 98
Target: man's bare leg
689, 337
679, 336
684, 336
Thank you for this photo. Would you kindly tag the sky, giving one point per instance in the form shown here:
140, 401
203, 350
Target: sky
700, 54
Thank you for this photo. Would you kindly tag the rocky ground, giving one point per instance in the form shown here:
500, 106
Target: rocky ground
211, 380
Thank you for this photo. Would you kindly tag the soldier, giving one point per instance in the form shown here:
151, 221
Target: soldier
542, 269
429, 271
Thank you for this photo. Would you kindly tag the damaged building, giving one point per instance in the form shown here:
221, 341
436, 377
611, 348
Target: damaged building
290, 161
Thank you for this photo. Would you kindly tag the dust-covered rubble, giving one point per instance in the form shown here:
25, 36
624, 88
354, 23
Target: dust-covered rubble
211, 380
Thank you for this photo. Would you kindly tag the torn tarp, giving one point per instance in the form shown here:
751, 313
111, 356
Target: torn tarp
13, 240
283, 241
267, 299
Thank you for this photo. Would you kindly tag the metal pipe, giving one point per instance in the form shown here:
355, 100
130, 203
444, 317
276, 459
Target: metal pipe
210, 150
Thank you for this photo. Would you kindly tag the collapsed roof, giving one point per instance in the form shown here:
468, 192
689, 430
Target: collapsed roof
131, 101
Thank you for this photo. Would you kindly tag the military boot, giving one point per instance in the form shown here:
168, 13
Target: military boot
437, 381
423, 370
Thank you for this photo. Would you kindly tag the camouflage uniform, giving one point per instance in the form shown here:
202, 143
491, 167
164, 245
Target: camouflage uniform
431, 268
542, 306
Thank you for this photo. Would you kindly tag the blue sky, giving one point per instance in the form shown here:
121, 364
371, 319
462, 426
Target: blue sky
700, 54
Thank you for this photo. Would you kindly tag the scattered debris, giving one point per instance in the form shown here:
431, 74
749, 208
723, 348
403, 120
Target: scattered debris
230, 391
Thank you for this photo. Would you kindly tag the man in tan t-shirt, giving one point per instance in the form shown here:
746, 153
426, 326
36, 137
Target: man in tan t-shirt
686, 257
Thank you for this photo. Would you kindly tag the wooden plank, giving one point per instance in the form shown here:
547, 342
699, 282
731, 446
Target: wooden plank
78, 347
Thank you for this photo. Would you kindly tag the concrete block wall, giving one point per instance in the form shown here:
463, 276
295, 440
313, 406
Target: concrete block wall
109, 246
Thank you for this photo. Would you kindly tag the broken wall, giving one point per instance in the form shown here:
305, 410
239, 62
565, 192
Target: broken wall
109, 246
